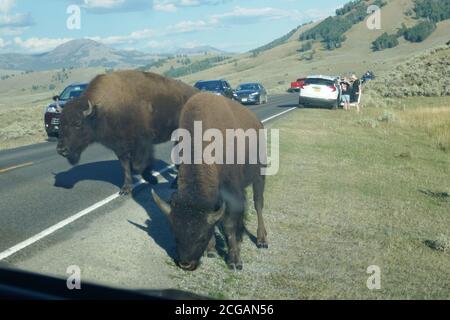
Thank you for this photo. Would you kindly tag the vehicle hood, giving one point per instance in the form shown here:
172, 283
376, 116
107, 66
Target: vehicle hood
62, 103
247, 91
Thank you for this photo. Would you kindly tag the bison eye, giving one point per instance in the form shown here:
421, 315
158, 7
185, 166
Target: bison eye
77, 124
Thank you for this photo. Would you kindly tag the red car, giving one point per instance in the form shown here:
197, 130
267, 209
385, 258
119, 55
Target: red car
295, 86
53, 111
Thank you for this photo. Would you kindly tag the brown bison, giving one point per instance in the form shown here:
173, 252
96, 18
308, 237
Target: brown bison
212, 193
128, 112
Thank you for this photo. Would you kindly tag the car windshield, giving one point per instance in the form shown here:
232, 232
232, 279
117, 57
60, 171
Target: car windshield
208, 85
248, 86
233, 149
319, 81
72, 92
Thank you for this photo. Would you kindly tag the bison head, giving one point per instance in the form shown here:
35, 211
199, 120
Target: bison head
192, 229
76, 129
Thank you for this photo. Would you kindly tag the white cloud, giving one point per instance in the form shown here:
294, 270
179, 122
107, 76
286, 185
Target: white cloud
39, 44
173, 5
165, 7
131, 38
6, 5
190, 26
3, 43
111, 6
16, 20
240, 15
104, 4
13, 24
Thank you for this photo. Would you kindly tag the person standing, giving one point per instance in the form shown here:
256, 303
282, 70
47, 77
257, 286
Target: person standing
356, 91
346, 91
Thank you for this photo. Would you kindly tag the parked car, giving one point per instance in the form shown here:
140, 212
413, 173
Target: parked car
219, 87
53, 111
320, 91
295, 86
251, 93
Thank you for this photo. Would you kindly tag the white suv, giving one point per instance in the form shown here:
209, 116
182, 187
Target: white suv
320, 91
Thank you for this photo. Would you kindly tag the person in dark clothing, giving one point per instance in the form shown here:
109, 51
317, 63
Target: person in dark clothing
356, 91
346, 91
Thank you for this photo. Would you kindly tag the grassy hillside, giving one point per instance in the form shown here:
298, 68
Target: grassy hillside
278, 66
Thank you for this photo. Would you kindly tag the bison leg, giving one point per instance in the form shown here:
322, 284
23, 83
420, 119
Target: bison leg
127, 188
233, 226
211, 250
258, 197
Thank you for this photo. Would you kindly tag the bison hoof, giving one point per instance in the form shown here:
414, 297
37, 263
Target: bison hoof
262, 245
235, 266
125, 191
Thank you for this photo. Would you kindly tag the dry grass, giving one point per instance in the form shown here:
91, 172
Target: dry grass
427, 115
346, 197
434, 121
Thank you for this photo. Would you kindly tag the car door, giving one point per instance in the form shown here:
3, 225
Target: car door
263, 92
227, 89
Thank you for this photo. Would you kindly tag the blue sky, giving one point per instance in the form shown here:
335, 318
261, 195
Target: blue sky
30, 26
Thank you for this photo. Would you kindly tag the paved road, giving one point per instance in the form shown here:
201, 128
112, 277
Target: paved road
38, 188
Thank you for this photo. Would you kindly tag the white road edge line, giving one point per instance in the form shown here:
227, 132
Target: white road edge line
22, 245
277, 115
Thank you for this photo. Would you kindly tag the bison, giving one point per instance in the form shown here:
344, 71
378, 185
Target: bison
128, 112
211, 193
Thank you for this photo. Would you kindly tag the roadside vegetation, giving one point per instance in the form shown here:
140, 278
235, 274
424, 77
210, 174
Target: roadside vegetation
423, 75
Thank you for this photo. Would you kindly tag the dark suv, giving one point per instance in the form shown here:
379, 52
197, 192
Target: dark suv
219, 87
53, 111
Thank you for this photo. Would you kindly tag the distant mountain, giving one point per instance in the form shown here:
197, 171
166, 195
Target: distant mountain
80, 53
197, 50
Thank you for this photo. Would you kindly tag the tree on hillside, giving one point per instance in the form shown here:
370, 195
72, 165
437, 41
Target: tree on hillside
434, 10
385, 41
420, 32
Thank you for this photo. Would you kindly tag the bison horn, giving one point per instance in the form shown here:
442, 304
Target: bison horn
87, 113
214, 217
162, 205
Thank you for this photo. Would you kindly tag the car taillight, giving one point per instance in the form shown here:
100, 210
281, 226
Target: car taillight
48, 117
332, 88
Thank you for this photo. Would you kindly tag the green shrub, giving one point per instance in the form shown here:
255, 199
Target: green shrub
434, 10
306, 46
420, 32
423, 75
385, 41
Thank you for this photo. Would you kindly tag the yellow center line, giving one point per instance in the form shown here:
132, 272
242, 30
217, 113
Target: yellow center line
16, 167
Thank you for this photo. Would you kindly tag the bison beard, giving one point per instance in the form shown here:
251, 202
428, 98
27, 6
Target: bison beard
208, 194
128, 112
